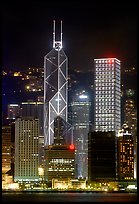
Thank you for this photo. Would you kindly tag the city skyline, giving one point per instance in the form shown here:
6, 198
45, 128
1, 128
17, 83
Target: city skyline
42, 157
27, 32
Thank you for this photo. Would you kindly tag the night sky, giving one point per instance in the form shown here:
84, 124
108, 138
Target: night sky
91, 29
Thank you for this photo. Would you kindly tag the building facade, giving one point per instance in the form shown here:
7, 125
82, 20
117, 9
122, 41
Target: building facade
107, 91
35, 109
101, 156
6, 148
26, 149
55, 87
80, 108
125, 154
60, 162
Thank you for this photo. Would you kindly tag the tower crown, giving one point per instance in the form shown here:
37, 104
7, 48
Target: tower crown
57, 45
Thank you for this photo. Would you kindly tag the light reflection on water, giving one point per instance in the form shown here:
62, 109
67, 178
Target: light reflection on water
68, 197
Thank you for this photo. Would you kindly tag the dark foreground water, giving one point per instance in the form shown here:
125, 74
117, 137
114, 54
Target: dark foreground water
67, 197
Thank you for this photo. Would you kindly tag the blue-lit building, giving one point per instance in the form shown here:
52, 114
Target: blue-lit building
80, 108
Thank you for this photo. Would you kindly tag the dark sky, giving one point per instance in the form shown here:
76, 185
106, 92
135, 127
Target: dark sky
91, 29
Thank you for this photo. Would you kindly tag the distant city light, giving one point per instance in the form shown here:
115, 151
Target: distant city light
83, 96
13, 105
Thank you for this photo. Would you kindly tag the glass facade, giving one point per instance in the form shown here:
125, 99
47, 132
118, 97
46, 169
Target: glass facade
55, 90
80, 107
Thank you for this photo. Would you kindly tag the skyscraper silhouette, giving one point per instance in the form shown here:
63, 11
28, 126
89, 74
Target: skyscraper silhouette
55, 87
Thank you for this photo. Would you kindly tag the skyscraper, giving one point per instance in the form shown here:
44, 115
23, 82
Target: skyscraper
80, 107
35, 109
107, 95
26, 149
55, 87
101, 156
125, 154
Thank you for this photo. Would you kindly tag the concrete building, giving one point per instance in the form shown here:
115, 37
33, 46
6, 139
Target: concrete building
107, 89
26, 150
60, 162
35, 109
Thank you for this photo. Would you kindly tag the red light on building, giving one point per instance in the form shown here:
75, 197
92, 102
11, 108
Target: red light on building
71, 147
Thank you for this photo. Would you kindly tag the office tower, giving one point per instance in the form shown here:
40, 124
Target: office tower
80, 108
107, 91
6, 149
60, 162
55, 87
131, 120
130, 111
35, 109
101, 156
125, 150
26, 149
13, 111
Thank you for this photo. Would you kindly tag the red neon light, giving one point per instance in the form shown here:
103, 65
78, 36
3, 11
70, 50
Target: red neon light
71, 147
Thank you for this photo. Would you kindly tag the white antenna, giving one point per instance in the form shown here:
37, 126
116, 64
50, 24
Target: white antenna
57, 45
54, 34
61, 33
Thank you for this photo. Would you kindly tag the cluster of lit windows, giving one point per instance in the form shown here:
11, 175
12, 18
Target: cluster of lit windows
104, 65
61, 169
102, 99
104, 61
62, 161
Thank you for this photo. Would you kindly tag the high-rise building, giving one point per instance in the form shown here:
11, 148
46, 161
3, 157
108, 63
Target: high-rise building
130, 111
6, 148
125, 150
60, 162
55, 87
26, 149
80, 108
101, 156
107, 92
35, 109
130, 119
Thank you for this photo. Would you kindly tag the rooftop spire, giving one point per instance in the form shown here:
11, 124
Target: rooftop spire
57, 45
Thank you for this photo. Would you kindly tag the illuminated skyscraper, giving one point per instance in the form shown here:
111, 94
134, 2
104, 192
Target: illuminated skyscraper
55, 88
125, 154
26, 149
131, 121
80, 108
35, 109
107, 95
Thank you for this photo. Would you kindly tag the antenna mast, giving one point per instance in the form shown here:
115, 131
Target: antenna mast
57, 45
